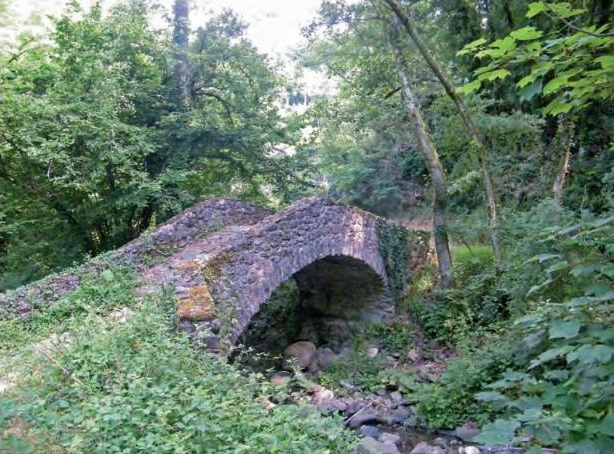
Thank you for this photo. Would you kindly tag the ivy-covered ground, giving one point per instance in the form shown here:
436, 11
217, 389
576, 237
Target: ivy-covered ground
100, 371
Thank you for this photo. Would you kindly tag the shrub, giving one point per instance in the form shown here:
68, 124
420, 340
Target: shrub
563, 398
451, 401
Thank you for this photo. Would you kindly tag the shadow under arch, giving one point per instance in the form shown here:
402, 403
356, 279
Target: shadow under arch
325, 302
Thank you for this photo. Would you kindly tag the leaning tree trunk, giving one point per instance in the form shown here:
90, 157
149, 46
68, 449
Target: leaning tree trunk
482, 151
440, 192
565, 137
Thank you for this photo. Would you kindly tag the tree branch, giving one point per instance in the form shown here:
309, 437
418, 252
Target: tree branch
572, 26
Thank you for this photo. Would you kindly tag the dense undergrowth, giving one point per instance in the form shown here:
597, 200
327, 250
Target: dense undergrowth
536, 341
134, 384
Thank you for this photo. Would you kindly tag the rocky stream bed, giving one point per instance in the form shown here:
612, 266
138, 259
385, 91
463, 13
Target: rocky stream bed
385, 419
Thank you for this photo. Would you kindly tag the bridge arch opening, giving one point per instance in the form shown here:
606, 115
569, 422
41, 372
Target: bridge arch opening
327, 302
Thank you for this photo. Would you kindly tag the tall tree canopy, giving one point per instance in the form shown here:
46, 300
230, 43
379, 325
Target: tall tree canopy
99, 137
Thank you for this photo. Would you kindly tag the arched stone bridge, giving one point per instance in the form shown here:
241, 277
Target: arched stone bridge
348, 264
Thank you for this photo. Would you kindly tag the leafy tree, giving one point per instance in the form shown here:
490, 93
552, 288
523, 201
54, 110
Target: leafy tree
97, 138
372, 75
482, 151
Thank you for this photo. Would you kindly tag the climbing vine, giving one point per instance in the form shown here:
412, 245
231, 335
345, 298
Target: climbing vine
395, 243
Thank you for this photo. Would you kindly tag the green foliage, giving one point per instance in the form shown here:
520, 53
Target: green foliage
366, 151
393, 337
569, 83
451, 401
361, 371
140, 386
97, 295
474, 304
563, 398
371, 373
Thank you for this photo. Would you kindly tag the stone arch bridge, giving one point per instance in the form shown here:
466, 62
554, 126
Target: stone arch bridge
348, 264
223, 259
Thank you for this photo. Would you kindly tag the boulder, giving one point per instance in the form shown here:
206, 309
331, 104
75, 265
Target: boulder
322, 397
396, 416
369, 431
301, 353
362, 416
465, 433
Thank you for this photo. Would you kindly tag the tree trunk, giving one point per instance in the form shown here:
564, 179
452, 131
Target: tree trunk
440, 192
565, 135
482, 151
181, 31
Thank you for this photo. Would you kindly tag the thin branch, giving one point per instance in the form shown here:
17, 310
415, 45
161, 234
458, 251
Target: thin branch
67, 372
572, 26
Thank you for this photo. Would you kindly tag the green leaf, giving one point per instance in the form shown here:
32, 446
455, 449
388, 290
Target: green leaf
530, 91
536, 288
560, 329
549, 355
472, 46
107, 275
543, 257
555, 84
607, 61
584, 270
565, 10
557, 374
590, 300
591, 354
526, 34
498, 48
490, 396
470, 87
558, 266
608, 270
497, 74
606, 426
535, 8
500, 432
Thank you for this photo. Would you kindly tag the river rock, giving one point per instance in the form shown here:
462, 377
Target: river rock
465, 433
370, 445
469, 450
362, 416
425, 448
325, 357
372, 352
281, 378
441, 442
397, 397
369, 431
426, 373
349, 385
390, 438
322, 397
413, 355
303, 353
396, 416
